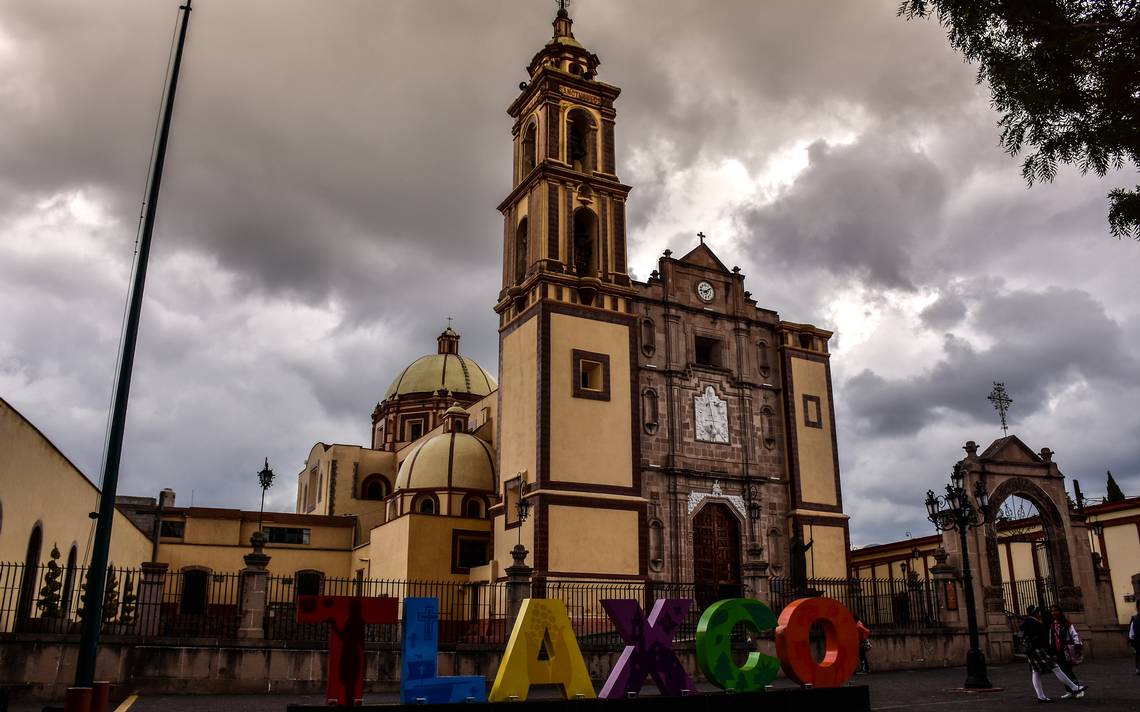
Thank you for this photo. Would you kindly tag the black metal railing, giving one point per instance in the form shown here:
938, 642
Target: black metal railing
1019, 595
910, 604
198, 603
51, 598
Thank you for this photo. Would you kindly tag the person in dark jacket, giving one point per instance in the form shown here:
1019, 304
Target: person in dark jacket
1035, 643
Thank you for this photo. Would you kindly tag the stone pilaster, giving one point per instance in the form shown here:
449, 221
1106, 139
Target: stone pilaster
756, 574
951, 599
151, 585
518, 584
254, 589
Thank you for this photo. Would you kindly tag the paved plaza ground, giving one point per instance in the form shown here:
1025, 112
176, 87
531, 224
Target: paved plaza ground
1113, 685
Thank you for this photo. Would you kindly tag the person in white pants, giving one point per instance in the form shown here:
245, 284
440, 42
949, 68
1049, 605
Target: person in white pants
1036, 646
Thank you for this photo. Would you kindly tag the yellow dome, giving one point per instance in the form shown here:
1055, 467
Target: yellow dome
430, 373
449, 461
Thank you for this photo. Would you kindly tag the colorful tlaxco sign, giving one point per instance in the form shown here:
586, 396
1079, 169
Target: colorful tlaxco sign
543, 650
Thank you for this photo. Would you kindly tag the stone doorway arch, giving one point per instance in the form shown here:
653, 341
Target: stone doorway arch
716, 553
1053, 526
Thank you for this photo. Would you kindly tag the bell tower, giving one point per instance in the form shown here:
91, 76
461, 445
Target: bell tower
568, 398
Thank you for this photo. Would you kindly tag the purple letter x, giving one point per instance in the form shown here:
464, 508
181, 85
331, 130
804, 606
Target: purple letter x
649, 648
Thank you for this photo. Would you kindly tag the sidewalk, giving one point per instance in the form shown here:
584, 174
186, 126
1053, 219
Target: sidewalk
1113, 685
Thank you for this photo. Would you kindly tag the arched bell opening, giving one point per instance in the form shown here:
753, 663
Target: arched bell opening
581, 137
585, 243
522, 245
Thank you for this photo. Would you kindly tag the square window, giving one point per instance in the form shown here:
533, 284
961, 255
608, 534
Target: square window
471, 552
813, 413
706, 351
591, 375
172, 528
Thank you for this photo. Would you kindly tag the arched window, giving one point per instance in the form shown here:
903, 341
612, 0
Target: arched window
650, 410
473, 508
522, 255
307, 583
529, 149
195, 592
580, 141
648, 337
585, 243
69, 580
374, 487
31, 574
426, 505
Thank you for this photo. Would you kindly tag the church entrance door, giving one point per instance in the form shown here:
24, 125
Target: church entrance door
716, 554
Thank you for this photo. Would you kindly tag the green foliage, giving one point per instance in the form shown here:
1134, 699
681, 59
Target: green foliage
110, 596
1114, 492
1065, 75
50, 604
130, 598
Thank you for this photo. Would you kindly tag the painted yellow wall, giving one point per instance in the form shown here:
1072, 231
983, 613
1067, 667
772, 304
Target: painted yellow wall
1123, 561
814, 445
388, 550
828, 555
517, 386
574, 422
39, 484
594, 540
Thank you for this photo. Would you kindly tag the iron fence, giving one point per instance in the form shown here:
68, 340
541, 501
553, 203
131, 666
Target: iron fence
469, 613
50, 598
1019, 595
198, 603
910, 604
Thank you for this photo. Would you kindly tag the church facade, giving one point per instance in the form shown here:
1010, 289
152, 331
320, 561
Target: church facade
670, 429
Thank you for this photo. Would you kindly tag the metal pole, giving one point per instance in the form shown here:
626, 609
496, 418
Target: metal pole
976, 677
93, 613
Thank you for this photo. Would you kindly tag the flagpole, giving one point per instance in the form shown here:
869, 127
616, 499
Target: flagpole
100, 549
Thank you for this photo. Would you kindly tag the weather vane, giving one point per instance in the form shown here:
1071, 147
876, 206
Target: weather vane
1002, 402
563, 5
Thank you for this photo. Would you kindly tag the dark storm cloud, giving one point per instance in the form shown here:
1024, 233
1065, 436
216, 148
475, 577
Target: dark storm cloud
1031, 353
854, 212
330, 200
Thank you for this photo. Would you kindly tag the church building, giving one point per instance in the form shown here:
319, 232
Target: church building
671, 429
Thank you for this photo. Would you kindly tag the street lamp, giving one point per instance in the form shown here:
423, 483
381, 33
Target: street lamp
955, 511
265, 479
522, 508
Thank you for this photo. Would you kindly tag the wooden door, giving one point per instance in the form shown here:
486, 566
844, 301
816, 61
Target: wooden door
716, 554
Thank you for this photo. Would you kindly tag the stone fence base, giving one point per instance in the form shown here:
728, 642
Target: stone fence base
42, 667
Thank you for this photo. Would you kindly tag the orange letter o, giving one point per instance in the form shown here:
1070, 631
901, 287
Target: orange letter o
794, 650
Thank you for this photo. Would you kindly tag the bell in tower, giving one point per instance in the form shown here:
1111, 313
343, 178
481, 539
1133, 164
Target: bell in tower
568, 396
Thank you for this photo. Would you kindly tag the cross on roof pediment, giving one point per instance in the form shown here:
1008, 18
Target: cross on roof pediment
702, 256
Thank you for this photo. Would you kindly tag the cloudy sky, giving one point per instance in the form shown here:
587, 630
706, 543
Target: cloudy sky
330, 199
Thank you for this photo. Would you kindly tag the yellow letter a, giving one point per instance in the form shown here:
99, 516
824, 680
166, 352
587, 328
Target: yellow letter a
542, 623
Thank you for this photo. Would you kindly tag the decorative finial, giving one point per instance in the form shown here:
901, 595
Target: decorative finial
1001, 402
563, 6
702, 237
448, 322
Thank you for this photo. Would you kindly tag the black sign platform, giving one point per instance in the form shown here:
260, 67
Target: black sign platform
834, 699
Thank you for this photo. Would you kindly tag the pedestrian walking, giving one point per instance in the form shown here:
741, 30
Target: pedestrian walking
864, 645
1066, 646
1035, 645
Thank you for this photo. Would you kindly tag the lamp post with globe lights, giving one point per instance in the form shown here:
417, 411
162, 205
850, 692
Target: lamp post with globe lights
954, 510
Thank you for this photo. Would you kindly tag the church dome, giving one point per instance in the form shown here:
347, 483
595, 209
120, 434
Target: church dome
445, 369
452, 460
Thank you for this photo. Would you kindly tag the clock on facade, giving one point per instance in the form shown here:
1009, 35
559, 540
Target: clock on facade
710, 415
705, 291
